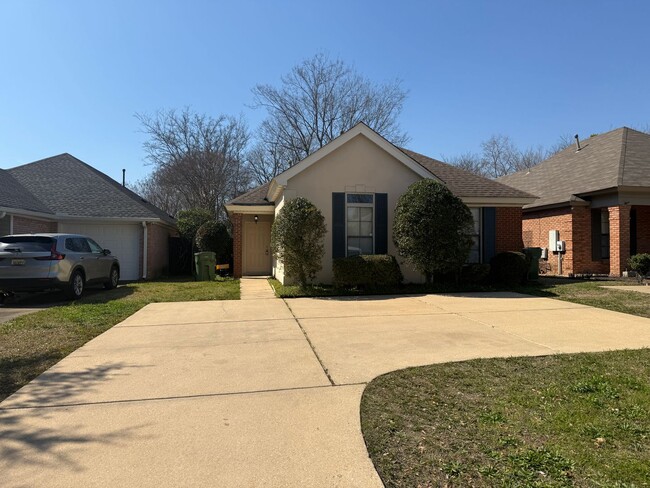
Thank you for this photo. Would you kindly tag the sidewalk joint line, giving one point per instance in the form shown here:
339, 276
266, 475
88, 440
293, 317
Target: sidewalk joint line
304, 332
178, 397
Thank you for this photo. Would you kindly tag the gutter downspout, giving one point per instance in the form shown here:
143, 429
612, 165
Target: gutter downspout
144, 250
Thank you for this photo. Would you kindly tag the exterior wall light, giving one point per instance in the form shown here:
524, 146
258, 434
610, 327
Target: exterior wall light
256, 218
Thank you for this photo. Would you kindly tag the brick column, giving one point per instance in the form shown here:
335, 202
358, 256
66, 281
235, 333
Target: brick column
619, 239
237, 236
579, 248
508, 229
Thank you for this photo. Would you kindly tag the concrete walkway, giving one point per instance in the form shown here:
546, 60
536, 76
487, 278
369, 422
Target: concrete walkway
261, 392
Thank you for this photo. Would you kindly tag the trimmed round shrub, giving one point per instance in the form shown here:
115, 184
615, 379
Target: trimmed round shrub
432, 229
214, 236
509, 268
640, 263
367, 271
297, 239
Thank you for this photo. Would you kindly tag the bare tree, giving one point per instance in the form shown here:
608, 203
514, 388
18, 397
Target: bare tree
317, 101
198, 160
564, 141
468, 161
156, 190
529, 157
499, 156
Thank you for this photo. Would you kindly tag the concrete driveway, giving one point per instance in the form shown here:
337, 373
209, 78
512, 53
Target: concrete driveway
261, 392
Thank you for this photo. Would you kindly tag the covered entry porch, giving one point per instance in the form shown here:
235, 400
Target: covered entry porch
252, 243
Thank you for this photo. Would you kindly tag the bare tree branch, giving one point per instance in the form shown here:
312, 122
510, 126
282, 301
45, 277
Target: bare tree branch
198, 160
317, 101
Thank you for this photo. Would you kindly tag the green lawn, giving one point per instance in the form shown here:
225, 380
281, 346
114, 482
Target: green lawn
32, 343
592, 293
580, 420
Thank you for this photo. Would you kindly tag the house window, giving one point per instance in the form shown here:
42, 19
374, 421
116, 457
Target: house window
360, 223
604, 234
475, 251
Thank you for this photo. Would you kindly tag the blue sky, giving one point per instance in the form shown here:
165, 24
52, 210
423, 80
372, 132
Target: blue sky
73, 74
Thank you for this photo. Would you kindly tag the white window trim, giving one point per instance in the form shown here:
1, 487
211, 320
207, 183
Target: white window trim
367, 205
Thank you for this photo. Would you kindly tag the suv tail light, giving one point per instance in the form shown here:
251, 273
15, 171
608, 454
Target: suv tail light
54, 255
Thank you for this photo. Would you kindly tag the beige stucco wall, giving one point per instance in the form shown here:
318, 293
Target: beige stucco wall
278, 267
357, 166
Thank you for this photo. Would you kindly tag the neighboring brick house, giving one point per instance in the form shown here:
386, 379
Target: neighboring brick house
355, 181
597, 197
64, 194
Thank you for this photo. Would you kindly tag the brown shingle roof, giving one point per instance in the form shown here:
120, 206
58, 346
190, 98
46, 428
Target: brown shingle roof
256, 196
617, 158
463, 183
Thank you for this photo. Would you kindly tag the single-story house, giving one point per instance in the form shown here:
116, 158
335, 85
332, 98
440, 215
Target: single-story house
597, 196
64, 194
355, 181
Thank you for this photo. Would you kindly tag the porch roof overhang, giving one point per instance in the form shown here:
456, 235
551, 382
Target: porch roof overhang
251, 209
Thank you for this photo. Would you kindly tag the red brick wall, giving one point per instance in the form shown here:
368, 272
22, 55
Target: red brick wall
581, 246
643, 229
619, 239
157, 250
535, 229
25, 225
509, 229
237, 244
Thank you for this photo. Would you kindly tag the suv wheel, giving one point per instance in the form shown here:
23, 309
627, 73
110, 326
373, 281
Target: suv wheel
76, 286
113, 279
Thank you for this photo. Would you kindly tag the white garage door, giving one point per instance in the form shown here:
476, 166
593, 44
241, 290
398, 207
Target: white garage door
123, 240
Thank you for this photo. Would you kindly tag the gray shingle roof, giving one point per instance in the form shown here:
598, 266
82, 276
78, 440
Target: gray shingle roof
617, 158
14, 195
256, 196
70, 187
463, 183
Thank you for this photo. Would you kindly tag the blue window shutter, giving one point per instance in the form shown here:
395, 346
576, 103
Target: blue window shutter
381, 223
338, 225
489, 233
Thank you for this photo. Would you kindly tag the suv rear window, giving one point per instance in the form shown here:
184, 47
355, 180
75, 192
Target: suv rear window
77, 244
27, 243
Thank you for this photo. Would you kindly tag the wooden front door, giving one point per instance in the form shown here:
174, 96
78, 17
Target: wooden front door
257, 248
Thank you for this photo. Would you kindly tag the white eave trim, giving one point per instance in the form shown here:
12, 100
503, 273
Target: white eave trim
497, 201
281, 180
28, 213
251, 209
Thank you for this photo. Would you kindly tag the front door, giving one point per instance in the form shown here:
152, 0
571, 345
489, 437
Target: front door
257, 248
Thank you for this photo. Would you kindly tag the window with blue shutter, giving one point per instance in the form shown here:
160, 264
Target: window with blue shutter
489, 233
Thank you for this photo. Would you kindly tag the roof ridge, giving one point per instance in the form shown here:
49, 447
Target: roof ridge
621, 164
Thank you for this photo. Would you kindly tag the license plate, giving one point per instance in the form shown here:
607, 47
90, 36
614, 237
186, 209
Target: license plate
17, 262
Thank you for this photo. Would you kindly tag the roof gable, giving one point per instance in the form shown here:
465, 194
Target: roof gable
617, 158
281, 180
70, 187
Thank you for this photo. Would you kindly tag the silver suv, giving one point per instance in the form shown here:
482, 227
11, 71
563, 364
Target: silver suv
69, 262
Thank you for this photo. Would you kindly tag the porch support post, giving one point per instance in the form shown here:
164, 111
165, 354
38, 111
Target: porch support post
619, 239
237, 244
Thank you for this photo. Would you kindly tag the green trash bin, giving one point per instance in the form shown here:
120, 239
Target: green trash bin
534, 254
204, 266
